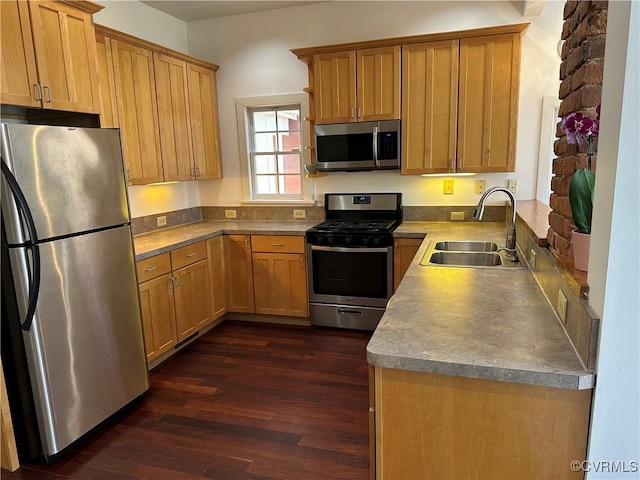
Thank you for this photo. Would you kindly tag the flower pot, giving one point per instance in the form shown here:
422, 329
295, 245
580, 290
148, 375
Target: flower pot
580, 242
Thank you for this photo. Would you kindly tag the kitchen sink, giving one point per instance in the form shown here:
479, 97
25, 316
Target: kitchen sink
475, 254
471, 259
466, 246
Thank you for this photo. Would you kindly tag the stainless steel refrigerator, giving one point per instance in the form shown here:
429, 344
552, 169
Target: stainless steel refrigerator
67, 238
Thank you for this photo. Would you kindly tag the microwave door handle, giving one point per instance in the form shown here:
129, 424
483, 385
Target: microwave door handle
375, 146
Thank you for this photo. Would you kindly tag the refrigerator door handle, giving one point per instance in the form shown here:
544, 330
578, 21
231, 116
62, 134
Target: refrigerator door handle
31, 244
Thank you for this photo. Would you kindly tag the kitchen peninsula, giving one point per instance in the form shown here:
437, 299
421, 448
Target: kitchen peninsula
472, 371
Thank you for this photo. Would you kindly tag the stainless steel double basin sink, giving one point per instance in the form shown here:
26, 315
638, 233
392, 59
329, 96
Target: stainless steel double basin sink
456, 253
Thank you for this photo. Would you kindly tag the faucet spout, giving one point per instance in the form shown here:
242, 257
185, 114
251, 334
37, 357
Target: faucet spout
510, 243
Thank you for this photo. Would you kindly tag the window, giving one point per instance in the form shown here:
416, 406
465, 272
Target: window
275, 158
272, 136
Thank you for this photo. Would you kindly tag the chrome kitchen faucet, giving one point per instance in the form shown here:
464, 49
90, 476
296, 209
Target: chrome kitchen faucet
510, 243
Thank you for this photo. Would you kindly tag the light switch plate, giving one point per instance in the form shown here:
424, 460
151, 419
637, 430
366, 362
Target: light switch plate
448, 187
299, 213
230, 214
457, 216
161, 221
512, 185
480, 186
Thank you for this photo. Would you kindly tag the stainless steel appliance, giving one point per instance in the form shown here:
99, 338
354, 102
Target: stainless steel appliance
351, 259
71, 315
358, 146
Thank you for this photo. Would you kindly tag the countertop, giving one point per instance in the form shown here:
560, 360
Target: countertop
490, 323
161, 241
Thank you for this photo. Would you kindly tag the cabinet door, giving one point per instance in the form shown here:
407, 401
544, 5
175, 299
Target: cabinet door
65, 46
488, 111
239, 273
137, 114
280, 284
335, 87
191, 291
429, 107
18, 60
217, 277
378, 79
404, 249
173, 117
158, 319
108, 105
205, 127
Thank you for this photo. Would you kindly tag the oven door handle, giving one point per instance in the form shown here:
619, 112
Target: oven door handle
350, 249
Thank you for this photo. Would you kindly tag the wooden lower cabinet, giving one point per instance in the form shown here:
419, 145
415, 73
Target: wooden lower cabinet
158, 315
217, 276
404, 249
239, 273
175, 297
193, 305
431, 426
280, 284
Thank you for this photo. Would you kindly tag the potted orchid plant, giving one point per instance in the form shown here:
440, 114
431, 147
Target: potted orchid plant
579, 129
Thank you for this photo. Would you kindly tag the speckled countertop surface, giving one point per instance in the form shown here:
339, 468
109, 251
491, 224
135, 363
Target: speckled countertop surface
491, 323
161, 241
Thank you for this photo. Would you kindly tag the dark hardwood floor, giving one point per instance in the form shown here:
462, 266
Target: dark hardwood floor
245, 401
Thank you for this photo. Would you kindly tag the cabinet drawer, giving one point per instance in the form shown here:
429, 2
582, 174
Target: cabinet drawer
277, 243
153, 267
184, 256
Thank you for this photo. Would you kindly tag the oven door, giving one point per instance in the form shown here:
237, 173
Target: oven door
350, 275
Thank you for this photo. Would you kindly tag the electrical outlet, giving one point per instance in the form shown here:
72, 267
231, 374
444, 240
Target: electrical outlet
230, 214
299, 214
457, 216
161, 221
562, 306
512, 185
448, 187
532, 259
480, 186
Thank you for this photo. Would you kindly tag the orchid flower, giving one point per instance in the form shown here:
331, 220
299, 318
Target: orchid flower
579, 127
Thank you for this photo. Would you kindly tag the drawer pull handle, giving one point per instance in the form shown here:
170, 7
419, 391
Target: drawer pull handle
192, 254
38, 92
277, 244
176, 281
343, 311
47, 92
150, 269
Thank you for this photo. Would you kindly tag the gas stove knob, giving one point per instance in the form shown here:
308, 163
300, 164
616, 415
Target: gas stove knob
376, 240
319, 239
329, 239
365, 240
347, 240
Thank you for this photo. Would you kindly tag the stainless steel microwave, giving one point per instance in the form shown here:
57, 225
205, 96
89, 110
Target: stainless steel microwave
358, 146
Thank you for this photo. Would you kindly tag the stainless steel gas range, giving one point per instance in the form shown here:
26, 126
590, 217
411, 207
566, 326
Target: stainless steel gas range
351, 259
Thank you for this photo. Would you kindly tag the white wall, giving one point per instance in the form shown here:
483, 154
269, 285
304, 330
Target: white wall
253, 53
614, 261
142, 21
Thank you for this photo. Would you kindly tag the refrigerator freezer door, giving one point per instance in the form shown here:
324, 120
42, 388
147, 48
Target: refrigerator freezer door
72, 178
85, 349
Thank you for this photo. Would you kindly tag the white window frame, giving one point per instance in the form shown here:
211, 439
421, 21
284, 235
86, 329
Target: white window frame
243, 109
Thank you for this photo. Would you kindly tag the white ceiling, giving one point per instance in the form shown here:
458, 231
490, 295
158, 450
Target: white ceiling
188, 10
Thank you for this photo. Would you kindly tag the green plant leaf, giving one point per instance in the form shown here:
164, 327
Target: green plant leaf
581, 199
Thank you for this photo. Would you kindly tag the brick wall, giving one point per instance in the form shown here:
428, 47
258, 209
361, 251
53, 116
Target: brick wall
583, 32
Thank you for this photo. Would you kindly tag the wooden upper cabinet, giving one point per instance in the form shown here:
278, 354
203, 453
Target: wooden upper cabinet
108, 104
17, 59
378, 80
429, 107
205, 127
173, 117
488, 103
63, 47
357, 85
335, 87
137, 114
